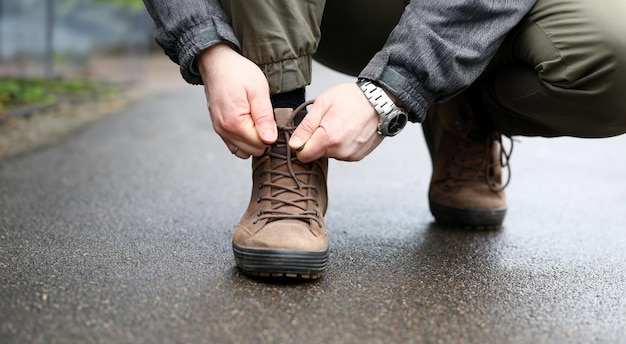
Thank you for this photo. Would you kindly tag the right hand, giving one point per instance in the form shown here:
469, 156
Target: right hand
237, 95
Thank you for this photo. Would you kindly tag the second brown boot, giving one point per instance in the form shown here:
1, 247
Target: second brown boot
282, 233
466, 187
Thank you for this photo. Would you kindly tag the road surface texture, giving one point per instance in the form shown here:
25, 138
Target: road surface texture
120, 233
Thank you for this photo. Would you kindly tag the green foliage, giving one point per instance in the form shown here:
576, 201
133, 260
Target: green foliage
21, 92
131, 4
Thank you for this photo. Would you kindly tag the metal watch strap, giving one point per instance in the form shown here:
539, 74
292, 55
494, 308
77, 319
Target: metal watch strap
392, 118
377, 97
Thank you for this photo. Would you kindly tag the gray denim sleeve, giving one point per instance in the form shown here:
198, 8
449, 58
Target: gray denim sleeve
439, 48
183, 28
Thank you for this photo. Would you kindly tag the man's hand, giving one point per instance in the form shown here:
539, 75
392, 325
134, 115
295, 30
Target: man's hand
341, 124
238, 99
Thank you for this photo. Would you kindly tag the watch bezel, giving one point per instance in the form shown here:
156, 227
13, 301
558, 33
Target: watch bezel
385, 126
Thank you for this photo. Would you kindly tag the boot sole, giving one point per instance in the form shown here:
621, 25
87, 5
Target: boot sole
280, 263
476, 219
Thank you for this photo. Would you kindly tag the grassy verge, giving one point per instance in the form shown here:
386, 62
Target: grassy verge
15, 93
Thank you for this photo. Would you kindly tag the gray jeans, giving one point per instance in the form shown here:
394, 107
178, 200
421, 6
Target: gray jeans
561, 71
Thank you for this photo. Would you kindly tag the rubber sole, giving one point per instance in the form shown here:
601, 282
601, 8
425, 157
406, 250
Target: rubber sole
477, 219
280, 263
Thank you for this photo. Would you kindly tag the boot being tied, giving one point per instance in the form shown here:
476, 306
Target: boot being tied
282, 233
466, 187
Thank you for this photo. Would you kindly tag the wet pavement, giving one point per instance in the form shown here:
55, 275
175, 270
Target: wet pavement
121, 233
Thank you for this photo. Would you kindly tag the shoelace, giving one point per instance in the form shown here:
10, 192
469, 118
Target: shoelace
481, 162
280, 209
504, 161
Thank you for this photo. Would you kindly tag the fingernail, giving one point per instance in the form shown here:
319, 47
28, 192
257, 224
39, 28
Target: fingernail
267, 135
296, 142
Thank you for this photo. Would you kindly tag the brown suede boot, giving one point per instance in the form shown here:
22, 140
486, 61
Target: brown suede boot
466, 186
282, 233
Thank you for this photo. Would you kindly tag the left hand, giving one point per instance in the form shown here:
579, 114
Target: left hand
341, 124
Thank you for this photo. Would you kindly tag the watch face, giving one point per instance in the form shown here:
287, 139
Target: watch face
396, 123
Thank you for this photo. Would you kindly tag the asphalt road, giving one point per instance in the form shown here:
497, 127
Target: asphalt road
121, 233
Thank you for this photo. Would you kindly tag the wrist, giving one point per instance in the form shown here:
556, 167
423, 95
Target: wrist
210, 55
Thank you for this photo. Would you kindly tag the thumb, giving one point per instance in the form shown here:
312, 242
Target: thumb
307, 127
262, 115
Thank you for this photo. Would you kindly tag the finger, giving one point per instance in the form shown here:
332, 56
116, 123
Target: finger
240, 131
231, 147
248, 140
315, 147
262, 115
242, 155
307, 127
234, 149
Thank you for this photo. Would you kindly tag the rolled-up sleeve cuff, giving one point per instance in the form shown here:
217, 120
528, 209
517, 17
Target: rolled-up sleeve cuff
198, 38
407, 90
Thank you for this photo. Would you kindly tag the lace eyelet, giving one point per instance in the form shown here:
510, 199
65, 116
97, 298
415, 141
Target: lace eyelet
317, 214
258, 200
260, 213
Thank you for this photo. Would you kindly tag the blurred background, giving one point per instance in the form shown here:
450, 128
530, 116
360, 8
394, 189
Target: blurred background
58, 57
71, 38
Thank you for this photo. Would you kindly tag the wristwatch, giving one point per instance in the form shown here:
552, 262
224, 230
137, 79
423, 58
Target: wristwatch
392, 117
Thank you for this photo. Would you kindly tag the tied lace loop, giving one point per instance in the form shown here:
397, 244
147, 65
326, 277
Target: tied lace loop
504, 161
291, 197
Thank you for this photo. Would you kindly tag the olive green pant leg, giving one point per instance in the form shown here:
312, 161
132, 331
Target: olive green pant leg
562, 71
279, 36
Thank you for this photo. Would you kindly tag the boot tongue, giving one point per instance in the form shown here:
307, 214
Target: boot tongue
282, 118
